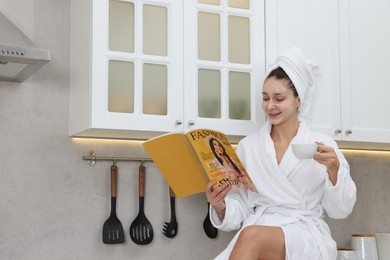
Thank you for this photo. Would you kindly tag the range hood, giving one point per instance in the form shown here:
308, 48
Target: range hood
19, 58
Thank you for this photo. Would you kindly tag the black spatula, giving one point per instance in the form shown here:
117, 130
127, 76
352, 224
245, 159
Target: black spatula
208, 227
170, 228
141, 231
112, 228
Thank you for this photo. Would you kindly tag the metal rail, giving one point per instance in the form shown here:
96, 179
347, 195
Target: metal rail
92, 158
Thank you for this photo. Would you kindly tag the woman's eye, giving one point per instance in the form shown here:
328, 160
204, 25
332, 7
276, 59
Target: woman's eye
279, 99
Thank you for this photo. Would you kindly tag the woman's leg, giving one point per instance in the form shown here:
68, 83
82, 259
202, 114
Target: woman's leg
259, 242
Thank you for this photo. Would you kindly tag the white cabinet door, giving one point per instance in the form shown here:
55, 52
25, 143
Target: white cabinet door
139, 69
349, 41
365, 55
126, 68
313, 27
224, 65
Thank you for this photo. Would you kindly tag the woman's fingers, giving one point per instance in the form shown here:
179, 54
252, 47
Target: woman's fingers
326, 155
217, 196
209, 186
222, 190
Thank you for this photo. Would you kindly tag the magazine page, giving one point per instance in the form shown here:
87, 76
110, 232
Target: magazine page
218, 159
176, 161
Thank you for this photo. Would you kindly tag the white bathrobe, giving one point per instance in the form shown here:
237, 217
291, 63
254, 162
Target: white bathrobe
292, 195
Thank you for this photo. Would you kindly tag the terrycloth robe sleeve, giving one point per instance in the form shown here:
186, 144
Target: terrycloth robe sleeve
340, 198
237, 210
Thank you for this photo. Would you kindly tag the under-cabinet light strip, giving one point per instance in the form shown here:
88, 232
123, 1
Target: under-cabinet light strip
97, 140
363, 151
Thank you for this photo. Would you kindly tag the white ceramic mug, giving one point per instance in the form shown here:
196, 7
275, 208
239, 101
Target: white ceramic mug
346, 253
383, 244
364, 246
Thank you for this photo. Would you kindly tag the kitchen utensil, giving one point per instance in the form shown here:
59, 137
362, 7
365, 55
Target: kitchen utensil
112, 227
141, 231
170, 229
364, 246
208, 228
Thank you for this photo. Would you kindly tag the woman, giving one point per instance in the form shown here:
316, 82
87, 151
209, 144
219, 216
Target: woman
285, 220
232, 172
223, 158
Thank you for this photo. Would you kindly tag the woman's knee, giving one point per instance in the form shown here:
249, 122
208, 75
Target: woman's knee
262, 236
263, 241
249, 233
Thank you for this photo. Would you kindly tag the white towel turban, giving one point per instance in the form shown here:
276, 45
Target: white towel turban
301, 72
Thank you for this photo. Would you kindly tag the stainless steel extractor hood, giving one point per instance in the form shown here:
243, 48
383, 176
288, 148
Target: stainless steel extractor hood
19, 58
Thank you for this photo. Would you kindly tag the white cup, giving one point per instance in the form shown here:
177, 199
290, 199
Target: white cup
383, 244
304, 151
364, 246
346, 253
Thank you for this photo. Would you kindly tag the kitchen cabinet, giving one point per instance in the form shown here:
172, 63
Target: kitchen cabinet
350, 101
364, 56
313, 27
143, 68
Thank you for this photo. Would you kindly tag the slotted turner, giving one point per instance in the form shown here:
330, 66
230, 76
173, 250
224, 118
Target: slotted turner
112, 227
141, 231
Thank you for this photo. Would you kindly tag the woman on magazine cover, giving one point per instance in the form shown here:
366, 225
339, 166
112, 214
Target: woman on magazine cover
222, 159
231, 169
285, 220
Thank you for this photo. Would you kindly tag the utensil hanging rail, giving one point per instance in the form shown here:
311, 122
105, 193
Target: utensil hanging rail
92, 158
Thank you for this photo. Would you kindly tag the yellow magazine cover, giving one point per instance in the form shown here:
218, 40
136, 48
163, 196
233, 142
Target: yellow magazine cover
218, 159
189, 161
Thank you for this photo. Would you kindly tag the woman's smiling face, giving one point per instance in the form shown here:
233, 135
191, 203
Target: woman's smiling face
279, 103
218, 148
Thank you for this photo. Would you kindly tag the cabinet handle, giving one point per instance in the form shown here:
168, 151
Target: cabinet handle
179, 122
191, 123
337, 131
348, 132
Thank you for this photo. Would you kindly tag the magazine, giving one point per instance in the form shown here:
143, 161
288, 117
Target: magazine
188, 161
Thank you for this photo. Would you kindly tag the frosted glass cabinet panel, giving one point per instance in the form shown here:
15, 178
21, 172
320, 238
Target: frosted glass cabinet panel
155, 30
239, 39
239, 4
121, 26
121, 86
155, 89
209, 93
210, 2
209, 34
239, 95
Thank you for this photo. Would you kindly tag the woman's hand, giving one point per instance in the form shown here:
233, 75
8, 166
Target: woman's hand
216, 197
327, 156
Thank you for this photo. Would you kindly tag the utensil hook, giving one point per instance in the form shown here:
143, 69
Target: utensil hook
93, 161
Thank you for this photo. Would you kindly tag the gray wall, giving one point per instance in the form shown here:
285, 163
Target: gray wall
371, 173
53, 204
